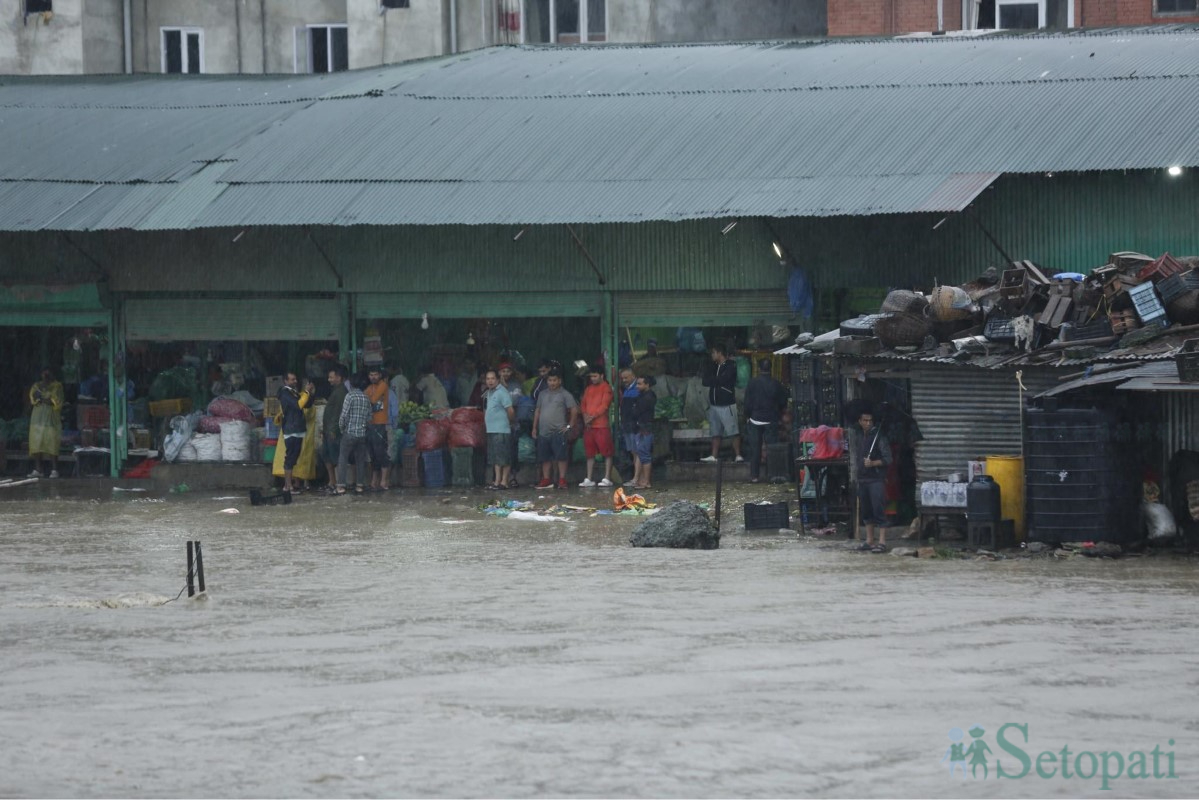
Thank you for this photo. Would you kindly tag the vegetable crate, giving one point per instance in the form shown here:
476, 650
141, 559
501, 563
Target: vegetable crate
170, 408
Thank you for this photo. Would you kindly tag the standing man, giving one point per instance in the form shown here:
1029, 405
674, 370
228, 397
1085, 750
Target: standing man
376, 432
556, 412
295, 427
355, 415
331, 433
721, 380
643, 440
597, 431
628, 420
432, 390
546, 366
765, 400
509, 381
871, 452
498, 418
45, 425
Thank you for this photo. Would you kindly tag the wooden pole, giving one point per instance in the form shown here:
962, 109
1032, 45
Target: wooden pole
191, 575
200, 567
719, 488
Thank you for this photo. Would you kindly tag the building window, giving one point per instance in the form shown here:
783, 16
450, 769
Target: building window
394, 3
38, 6
1177, 6
328, 48
563, 21
183, 50
1019, 14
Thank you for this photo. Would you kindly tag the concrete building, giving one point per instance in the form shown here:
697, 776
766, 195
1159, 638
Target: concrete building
40, 37
883, 17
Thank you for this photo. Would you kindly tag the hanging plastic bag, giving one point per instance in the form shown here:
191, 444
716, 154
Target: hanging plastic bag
743, 372
526, 450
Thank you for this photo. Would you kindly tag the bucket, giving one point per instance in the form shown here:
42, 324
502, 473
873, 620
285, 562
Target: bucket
1008, 472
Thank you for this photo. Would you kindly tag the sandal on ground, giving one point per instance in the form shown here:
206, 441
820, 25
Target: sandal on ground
864, 547
879, 548
492, 487
360, 491
514, 484
339, 492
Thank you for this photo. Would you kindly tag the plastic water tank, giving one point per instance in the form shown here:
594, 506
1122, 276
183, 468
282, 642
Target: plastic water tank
982, 500
1080, 484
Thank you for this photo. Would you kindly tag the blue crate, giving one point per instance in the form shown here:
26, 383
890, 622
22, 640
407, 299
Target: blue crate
434, 464
269, 429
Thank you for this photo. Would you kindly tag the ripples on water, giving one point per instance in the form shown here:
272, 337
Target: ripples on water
400, 647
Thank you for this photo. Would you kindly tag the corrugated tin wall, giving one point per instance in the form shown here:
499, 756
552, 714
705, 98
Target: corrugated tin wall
965, 413
265, 319
732, 307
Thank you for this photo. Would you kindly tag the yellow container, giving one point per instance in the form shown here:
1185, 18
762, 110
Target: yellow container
1008, 472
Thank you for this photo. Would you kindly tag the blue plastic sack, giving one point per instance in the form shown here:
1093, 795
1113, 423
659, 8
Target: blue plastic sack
690, 340
799, 293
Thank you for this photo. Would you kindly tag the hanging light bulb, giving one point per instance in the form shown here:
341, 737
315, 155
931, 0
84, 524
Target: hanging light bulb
470, 339
75, 345
424, 321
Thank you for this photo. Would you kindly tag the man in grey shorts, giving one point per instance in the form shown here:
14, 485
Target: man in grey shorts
721, 380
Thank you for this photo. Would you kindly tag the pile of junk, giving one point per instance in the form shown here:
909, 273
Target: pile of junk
1036, 314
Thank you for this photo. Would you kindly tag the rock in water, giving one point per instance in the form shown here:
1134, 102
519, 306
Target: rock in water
680, 524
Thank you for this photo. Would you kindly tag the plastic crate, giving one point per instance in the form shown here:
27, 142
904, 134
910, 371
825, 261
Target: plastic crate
91, 416
767, 516
1161, 268
271, 407
410, 472
1091, 330
270, 429
433, 462
1145, 300
170, 408
268, 452
260, 498
1000, 329
1187, 360
1177, 285
463, 459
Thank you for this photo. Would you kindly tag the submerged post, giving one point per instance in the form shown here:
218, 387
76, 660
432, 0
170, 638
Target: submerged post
719, 488
191, 572
200, 567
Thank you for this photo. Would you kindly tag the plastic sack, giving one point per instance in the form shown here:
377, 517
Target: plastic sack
743, 372
799, 293
229, 408
235, 440
467, 428
186, 454
827, 443
181, 433
690, 340
525, 408
1159, 522
431, 434
208, 446
526, 450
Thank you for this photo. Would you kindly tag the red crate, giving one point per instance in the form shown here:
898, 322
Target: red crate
1162, 267
92, 416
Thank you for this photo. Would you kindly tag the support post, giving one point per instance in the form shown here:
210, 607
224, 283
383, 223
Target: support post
719, 490
191, 572
200, 567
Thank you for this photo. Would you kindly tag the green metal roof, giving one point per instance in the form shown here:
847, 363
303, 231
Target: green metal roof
526, 135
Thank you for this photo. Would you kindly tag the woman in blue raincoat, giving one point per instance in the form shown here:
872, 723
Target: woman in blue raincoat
45, 424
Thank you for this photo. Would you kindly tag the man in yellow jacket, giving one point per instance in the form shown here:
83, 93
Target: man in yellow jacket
45, 424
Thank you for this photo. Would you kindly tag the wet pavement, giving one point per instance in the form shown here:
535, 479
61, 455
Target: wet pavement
407, 645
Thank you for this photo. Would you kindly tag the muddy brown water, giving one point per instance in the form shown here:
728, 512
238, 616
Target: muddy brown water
410, 646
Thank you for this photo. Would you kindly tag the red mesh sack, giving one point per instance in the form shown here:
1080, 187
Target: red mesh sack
210, 424
430, 435
467, 428
826, 442
229, 408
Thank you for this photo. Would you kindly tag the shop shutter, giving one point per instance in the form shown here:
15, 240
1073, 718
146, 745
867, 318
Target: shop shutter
508, 305
251, 320
699, 309
965, 413
73, 306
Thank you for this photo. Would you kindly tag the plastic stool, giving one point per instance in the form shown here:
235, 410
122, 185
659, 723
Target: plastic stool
991, 535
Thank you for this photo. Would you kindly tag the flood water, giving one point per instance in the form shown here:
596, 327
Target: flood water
410, 646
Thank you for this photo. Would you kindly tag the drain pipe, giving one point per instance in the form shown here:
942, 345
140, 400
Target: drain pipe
127, 33
453, 26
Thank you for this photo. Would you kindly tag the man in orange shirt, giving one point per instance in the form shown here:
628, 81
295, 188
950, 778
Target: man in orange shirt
376, 429
597, 433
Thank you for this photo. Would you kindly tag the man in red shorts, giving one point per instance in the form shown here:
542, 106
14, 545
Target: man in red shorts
597, 433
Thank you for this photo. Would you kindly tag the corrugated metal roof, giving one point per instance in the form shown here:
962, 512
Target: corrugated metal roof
602, 134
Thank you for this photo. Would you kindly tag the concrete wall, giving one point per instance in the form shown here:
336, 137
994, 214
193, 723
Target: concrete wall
476, 24
103, 37
630, 21
34, 46
397, 34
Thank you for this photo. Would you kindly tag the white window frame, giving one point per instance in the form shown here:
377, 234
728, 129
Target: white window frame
1167, 14
584, 34
184, 32
328, 26
1040, 4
